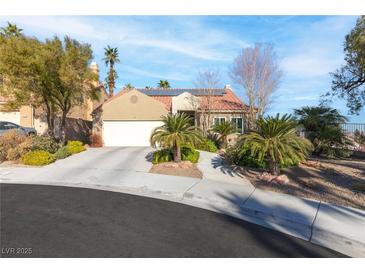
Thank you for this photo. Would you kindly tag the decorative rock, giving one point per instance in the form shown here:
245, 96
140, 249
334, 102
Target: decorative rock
267, 177
170, 165
185, 164
281, 179
314, 164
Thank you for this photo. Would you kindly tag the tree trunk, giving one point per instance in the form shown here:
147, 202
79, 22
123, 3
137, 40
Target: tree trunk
63, 127
111, 81
177, 154
274, 168
50, 120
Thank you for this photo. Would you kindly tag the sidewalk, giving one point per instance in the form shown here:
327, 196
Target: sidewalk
335, 227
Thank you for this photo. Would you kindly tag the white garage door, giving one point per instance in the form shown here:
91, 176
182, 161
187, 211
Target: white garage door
13, 117
128, 133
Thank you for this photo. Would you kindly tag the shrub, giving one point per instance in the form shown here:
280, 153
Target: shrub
359, 137
276, 141
2, 154
38, 158
96, 140
162, 156
323, 128
188, 153
45, 143
62, 153
223, 130
177, 129
75, 147
14, 144
207, 145
242, 156
215, 138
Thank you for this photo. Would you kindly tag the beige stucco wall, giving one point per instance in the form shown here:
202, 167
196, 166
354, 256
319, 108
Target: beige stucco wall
133, 105
185, 101
26, 116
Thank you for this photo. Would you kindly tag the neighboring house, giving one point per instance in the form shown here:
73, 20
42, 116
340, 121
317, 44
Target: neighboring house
129, 117
79, 119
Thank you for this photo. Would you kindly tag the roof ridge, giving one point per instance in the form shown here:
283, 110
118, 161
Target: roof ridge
179, 88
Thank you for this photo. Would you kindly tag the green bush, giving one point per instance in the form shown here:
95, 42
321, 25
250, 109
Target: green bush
75, 147
242, 157
37, 158
207, 145
188, 153
162, 156
45, 143
62, 153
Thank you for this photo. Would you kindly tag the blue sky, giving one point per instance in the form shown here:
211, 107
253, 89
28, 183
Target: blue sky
177, 47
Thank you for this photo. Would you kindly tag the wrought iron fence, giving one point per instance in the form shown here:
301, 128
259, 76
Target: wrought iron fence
351, 128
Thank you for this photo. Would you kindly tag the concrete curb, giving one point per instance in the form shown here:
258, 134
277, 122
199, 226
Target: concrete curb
312, 227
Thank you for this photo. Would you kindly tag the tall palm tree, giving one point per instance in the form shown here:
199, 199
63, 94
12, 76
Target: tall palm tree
276, 141
11, 30
110, 59
175, 131
164, 84
224, 129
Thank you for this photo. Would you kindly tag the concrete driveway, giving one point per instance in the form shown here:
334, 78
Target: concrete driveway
109, 158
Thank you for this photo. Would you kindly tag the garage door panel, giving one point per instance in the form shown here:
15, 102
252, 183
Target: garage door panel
13, 117
128, 133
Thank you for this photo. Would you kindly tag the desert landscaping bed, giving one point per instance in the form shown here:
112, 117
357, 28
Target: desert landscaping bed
184, 168
336, 181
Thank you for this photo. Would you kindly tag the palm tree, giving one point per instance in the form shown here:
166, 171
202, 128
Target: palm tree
224, 129
175, 131
129, 86
322, 127
276, 141
313, 118
11, 30
111, 58
164, 84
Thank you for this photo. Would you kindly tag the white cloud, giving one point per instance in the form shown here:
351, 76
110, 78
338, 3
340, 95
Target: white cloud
57, 25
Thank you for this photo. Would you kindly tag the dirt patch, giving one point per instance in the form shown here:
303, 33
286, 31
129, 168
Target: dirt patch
184, 168
337, 181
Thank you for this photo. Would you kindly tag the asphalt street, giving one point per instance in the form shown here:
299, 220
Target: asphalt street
52, 221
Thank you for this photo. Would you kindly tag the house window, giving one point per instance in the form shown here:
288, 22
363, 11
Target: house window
219, 120
238, 123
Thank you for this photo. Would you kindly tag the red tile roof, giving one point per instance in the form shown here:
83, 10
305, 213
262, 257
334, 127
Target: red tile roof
166, 100
227, 101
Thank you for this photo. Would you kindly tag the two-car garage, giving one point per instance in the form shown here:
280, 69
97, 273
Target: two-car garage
129, 118
128, 133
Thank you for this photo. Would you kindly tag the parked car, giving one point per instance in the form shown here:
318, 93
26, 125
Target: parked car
5, 126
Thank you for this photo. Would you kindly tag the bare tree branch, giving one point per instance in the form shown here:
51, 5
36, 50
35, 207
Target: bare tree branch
256, 71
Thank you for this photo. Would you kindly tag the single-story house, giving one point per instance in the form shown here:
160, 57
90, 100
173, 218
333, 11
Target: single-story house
129, 117
79, 119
